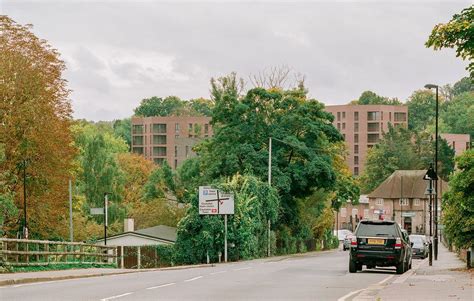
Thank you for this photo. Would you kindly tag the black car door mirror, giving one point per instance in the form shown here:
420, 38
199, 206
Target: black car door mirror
411, 244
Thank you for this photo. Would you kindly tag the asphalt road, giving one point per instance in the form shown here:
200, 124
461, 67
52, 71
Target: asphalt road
313, 276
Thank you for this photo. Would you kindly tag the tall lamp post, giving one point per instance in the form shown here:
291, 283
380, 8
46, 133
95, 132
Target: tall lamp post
432, 86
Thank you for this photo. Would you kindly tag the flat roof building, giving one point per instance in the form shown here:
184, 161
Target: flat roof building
362, 127
169, 138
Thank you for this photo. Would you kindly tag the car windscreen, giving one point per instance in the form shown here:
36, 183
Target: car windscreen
417, 241
387, 230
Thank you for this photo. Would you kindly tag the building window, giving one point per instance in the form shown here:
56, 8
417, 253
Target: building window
366, 213
159, 128
454, 145
403, 202
356, 138
159, 139
187, 151
190, 127
373, 138
356, 127
343, 115
344, 136
356, 171
355, 211
379, 202
175, 150
338, 126
175, 164
206, 128
373, 116
343, 125
159, 151
343, 212
338, 116
373, 127
400, 116
356, 116
416, 202
356, 160
137, 140
176, 127
137, 129
356, 149
159, 161
138, 150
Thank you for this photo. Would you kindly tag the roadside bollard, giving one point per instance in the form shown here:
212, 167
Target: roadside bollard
430, 253
468, 259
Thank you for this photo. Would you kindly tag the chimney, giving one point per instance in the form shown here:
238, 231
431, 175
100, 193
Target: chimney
128, 225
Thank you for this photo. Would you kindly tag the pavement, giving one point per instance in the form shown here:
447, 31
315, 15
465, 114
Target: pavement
309, 276
446, 279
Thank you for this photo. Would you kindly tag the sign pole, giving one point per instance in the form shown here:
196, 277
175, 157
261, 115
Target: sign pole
269, 184
105, 217
225, 238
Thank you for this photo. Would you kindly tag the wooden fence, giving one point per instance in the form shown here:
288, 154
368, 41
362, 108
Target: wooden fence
22, 252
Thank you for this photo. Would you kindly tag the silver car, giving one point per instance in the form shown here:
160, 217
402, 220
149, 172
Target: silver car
420, 246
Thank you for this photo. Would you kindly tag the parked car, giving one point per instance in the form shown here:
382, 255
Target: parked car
420, 246
341, 234
380, 243
346, 245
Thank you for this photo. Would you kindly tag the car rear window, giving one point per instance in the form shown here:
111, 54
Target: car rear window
388, 230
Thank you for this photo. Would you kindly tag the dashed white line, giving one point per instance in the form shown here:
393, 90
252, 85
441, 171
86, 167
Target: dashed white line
116, 297
242, 269
192, 279
220, 272
163, 285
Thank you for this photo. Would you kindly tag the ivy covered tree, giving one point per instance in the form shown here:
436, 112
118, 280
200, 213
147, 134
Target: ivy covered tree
458, 205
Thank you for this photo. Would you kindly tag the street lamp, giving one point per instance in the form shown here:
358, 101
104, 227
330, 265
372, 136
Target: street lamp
432, 86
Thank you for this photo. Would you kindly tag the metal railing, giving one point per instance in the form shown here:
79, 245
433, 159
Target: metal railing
22, 252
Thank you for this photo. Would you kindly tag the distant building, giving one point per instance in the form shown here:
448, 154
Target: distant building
362, 127
349, 215
403, 197
459, 142
169, 138
157, 235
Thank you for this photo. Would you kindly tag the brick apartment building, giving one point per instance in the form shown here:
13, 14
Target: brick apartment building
459, 142
362, 127
169, 138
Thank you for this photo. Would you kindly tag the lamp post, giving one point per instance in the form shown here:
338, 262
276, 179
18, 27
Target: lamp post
25, 223
432, 86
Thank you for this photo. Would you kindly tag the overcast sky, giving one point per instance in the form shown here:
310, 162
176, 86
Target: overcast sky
119, 52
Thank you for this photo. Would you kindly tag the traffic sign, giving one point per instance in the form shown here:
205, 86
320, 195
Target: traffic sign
430, 175
213, 202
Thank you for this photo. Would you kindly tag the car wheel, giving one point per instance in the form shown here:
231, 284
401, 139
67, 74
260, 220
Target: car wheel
343, 248
400, 267
352, 266
359, 266
409, 267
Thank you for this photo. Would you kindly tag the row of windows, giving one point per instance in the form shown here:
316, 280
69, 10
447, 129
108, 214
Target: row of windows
160, 128
141, 140
376, 116
401, 202
162, 151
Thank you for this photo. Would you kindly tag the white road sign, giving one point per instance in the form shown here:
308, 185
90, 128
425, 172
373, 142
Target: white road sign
212, 202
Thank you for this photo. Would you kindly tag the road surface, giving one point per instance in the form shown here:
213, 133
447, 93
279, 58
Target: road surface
313, 276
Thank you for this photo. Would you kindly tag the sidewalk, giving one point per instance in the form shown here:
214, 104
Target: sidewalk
447, 279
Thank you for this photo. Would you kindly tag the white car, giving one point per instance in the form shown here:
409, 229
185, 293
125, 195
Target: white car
341, 234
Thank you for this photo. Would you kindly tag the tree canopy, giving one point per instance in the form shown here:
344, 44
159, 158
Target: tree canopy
370, 98
458, 33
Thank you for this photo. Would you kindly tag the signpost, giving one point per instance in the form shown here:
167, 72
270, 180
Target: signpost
432, 176
214, 202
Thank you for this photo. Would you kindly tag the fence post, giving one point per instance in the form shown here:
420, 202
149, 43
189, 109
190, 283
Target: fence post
46, 249
37, 254
5, 255
17, 257
139, 258
27, 256
468, 258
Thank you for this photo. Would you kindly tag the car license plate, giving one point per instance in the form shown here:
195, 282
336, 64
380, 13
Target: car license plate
373, 241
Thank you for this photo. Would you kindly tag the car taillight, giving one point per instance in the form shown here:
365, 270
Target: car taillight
398, 243
353, 241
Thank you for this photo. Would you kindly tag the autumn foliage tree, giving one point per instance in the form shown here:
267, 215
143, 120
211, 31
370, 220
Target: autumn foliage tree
35, 115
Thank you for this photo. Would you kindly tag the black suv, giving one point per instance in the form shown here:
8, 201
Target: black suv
380, 243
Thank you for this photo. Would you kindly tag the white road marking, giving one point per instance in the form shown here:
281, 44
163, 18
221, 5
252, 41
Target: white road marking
163, 285
220, 272
242, 269
343, 298
116, 297
386, 279
407, 275
192, 279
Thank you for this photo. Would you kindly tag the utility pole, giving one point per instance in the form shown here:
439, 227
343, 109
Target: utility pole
71, 229
106, 200
25, 224
269, 184
401, 200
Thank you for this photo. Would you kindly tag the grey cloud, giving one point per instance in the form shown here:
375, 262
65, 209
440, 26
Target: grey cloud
342, 48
